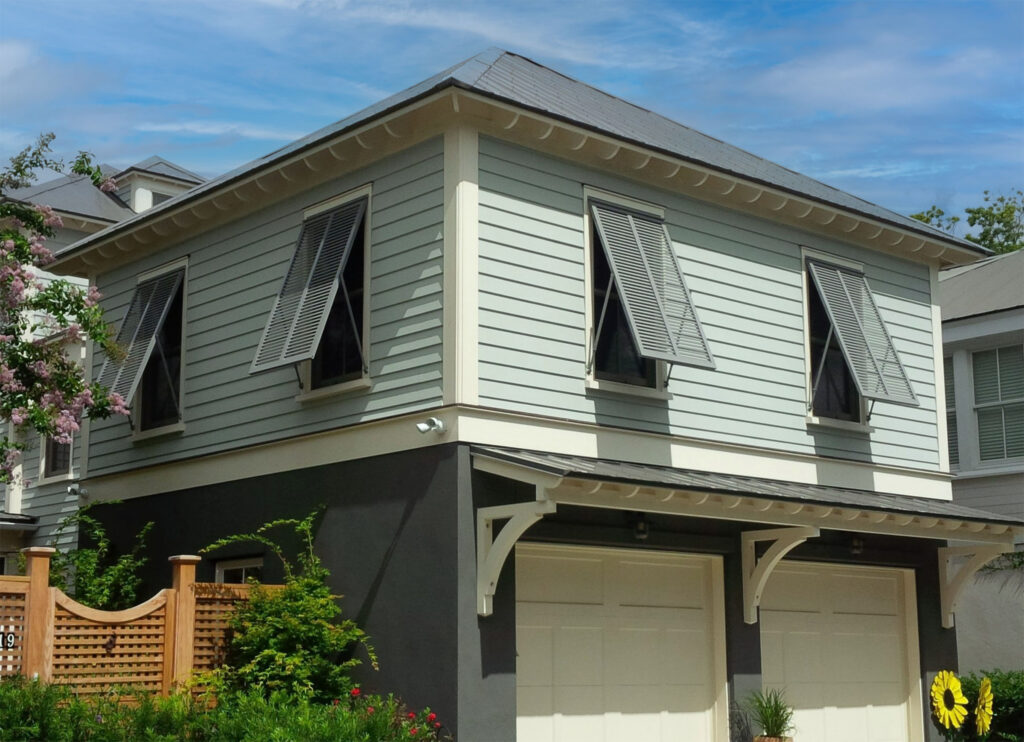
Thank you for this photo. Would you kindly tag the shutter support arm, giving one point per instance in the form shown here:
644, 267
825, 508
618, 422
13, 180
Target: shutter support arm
756, 572
951, 586
491, 552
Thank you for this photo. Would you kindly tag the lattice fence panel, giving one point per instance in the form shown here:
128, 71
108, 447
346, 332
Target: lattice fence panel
95, 655
12, 625
214, 602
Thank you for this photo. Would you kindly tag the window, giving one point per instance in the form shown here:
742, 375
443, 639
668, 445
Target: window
641, 309
56, 460
152, 337
953, 442
159, 198
320, 312
999, 401
851, 354
238, 571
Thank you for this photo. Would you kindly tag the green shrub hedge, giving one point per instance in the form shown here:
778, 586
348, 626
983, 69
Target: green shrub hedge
1007, 705
35, 712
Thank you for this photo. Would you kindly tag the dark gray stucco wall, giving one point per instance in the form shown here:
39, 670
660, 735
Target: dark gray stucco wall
387, 535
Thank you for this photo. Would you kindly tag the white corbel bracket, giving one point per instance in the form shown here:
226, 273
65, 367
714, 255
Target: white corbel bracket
951, 586
756, 572
491, 552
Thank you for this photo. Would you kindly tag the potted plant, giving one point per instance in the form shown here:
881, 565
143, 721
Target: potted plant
772, 714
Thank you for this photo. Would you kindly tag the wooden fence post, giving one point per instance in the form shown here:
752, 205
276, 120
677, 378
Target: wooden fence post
184, 581
38, 648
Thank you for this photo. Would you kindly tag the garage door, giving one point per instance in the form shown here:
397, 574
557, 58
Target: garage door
842, 642
618, 644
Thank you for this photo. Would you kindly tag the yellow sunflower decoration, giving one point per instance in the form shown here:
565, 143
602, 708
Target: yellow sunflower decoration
948, 700
983, 711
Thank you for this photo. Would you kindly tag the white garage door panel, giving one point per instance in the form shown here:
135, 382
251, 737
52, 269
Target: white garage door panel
843, 656
630, 655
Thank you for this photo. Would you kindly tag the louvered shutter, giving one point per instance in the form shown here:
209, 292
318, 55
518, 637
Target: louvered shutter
865, 342
656, 301
138, 333
300, 312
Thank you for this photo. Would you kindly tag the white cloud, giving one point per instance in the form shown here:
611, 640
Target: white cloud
221, 128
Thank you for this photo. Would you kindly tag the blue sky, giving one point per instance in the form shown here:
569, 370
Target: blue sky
903, 102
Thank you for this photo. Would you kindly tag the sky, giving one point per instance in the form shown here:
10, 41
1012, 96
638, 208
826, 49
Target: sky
906, 103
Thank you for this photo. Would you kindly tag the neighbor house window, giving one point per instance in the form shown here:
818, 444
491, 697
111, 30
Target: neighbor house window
851, 354
318, 319
56, 458
642, 313
239, 571
999, 401
952, 441
149, 375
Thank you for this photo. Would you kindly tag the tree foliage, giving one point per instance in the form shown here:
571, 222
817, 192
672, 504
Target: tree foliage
1000, 220
41, 387
289, 640
91, 573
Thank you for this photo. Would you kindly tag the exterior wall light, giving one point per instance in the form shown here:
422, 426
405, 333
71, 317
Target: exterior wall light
431, 423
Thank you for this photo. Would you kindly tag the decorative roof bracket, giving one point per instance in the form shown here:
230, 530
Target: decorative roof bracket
756, 572
491, 552
951, 586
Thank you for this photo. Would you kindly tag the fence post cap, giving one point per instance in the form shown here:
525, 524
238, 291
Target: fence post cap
39, 551
185, 559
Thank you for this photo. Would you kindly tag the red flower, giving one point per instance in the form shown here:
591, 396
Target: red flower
437, 725
431, 716
369, 709
413, 731
411, 714
335, 702
355, 692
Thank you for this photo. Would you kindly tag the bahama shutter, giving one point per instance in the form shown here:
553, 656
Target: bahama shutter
862, 335
300, 312
656, 301
138, 333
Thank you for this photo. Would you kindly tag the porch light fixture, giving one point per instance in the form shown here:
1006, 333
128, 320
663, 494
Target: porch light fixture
431, 423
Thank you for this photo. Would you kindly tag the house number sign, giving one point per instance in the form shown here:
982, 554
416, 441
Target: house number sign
7, 639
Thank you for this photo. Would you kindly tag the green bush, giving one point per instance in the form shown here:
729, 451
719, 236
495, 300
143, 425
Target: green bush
34, 712
1007, 705
289, 640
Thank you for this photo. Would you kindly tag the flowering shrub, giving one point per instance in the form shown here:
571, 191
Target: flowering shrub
34, 711
40, 386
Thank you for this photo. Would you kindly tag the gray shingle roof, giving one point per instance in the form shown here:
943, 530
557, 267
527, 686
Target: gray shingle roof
701, 481
508, 77
991, 285
160, 166
75, 194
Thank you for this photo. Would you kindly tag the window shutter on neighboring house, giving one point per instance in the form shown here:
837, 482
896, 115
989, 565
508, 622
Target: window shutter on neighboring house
865, 342
138, 333
652, 288
300, 312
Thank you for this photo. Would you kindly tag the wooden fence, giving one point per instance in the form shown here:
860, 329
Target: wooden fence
153, 647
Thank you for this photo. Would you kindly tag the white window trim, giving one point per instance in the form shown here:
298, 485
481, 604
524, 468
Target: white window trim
75, 350
307, 393
590, 381
226, 564
136, 420
860, 425
69, 474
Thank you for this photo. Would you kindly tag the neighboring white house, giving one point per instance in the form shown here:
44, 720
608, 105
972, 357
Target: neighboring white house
983, 343
29, 511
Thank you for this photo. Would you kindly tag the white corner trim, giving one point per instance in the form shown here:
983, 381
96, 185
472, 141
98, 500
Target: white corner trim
757, 571
461, 266
938, 356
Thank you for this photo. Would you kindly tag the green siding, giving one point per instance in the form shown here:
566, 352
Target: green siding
745, 275
234, 274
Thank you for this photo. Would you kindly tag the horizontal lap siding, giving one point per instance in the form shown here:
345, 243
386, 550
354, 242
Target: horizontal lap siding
234, 275
745, 275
